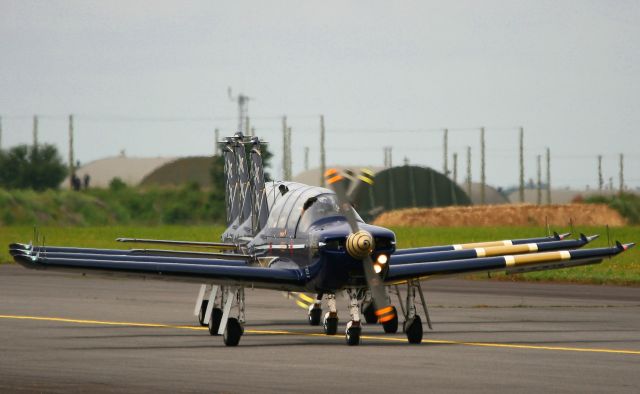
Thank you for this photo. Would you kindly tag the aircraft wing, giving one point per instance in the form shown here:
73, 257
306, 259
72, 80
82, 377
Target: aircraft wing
491, 251
509, 263
112, 262
507, 242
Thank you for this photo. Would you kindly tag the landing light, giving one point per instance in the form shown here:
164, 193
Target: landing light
382, 259
377, 268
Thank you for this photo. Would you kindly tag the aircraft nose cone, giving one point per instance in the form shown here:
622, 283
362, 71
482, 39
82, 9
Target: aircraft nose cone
360, 244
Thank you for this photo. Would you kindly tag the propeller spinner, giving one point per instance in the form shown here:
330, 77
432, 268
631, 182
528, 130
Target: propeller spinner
360, 244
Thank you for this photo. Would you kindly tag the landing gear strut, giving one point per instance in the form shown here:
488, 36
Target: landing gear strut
354, 328
315, 311
231, 328
412, 326
330, 323
206, 309
202, 312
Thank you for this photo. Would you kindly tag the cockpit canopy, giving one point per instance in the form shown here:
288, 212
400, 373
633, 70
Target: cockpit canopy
294, 207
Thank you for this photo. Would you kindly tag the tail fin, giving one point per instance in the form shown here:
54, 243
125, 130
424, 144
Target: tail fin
259, 207
232, 191
247, 209
238, 190
243, 178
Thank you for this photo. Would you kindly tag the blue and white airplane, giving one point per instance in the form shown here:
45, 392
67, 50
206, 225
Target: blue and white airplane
291, 237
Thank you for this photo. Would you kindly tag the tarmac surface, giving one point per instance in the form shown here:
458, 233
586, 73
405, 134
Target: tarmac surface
69, 333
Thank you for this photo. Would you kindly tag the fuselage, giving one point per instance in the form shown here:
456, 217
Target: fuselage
305, 229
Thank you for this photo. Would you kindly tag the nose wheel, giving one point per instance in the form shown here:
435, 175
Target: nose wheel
353, 332
315, 316
315, 311
330, 324
391, 326
369, 313
354, 327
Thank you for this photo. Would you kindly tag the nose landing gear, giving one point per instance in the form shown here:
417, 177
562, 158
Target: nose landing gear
315, 311
369, 313
354, 328
353, 332
330, 324
391, 326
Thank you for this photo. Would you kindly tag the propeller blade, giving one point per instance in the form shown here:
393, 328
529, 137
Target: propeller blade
360, 245
384, 311
363, 180
339, 184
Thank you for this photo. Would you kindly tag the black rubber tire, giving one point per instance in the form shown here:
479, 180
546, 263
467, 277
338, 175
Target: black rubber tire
414, 331
330, 325
233, 332
353, 336
391, 326
214, 322
203, 310
369, 312
315, 316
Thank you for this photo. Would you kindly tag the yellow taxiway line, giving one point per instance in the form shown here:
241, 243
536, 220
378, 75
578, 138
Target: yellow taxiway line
285, 332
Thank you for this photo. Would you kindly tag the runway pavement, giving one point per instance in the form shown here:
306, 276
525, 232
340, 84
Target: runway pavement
69, 333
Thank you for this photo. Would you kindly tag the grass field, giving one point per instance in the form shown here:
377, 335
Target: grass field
623, 270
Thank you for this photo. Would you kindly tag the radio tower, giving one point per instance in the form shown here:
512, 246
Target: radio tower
243, 111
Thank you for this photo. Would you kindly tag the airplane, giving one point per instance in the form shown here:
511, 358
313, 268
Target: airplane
301, 239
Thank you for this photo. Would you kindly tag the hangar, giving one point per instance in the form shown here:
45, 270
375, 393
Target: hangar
400, 187
147, 171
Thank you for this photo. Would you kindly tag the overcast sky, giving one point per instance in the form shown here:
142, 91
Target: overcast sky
152, 77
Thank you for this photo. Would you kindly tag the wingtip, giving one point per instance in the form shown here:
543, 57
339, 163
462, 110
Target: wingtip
15, 252
592, 237
563, 235
19, 246
622, 247
26, 261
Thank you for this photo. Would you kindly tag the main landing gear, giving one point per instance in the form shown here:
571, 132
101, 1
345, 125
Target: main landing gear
216, 312
412, 326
